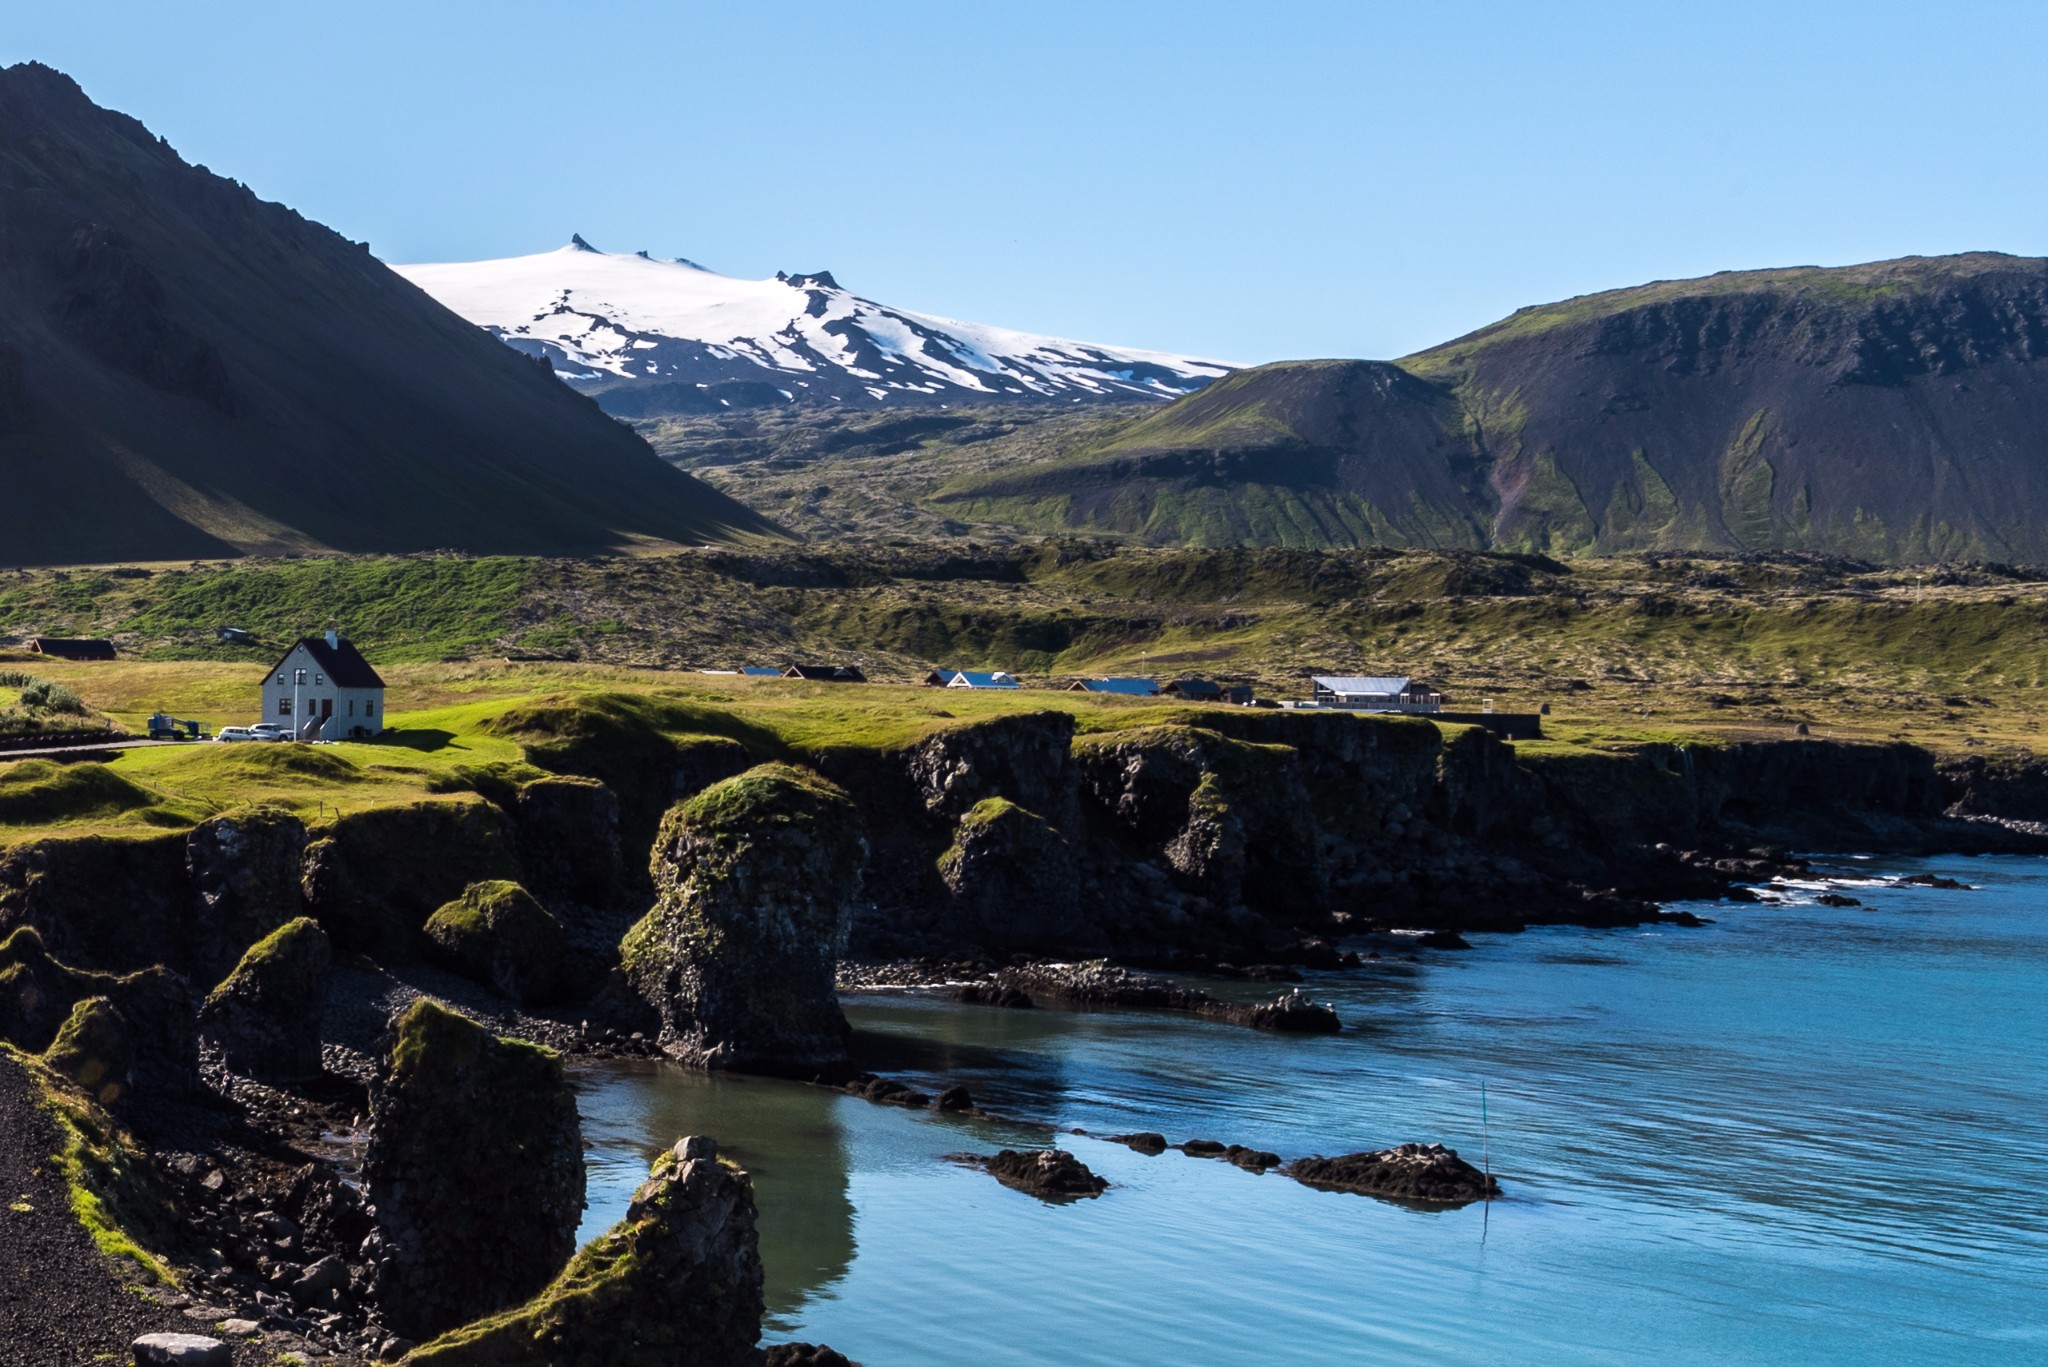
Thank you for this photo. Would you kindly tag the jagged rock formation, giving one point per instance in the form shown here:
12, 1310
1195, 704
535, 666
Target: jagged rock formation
568, 834
498, 935
1885, 411
376, 876
177, 355
126, 1032
474, 1171
754, 880
244, 869
264, 1018
1427, 1174
1013, 880
677, 1283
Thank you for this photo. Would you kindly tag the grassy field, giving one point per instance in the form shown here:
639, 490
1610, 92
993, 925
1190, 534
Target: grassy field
1620, 650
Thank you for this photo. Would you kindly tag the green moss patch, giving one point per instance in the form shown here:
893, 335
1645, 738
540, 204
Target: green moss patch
37, 791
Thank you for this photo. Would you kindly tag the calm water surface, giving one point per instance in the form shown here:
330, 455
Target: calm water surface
1803, 1134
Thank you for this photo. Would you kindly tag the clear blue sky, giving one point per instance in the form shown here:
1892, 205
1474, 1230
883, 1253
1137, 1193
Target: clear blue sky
1248, 181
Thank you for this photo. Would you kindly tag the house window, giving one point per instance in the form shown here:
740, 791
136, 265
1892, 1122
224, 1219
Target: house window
351, 707
284, 707
369, 709
319, 681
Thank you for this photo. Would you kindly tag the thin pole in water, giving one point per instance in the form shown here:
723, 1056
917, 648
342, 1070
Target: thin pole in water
1486, 1160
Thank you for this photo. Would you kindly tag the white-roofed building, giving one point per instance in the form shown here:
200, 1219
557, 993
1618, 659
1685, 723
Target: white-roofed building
1376, 694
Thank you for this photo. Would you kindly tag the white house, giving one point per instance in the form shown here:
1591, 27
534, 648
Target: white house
323, 689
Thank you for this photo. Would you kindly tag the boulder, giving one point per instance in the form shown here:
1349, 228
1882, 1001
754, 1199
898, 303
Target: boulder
95, 1048
1424, 1174
754, 879
181, 1350
804, 1355
1013, 882
1048, 1174
244, 871
474, 1171
677, 1283
1026, 757
264, 1018
1148, 1142
497, 934
1295, 1013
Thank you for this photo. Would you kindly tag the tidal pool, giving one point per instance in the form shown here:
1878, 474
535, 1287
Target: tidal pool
1801, 1134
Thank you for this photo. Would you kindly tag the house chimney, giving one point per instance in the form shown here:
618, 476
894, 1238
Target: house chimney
333, 639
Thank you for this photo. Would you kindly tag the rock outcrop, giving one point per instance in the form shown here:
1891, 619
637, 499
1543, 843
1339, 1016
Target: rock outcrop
677, 1283
568, 830
376, 876
126, 1032
754, 879
244, 869
1425, 1174
1099, 983
497, 934
1013, 881
474, 1171
264, 1018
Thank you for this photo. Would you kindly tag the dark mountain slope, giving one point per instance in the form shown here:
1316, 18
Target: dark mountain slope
1896, 411
1305, 453
186, 370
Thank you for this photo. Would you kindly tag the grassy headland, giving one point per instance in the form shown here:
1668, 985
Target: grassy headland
1621, 650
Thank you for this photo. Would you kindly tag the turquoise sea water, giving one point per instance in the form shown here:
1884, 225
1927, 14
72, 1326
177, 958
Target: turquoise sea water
1802, 1134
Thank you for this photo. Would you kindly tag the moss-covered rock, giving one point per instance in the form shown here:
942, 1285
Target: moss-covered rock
376, 876
1013, 882
264, 1018
754, 880
95, 1050
498, 935
677, 1283
1026, 757
40, 998
244, 868
110, 903
474, 1169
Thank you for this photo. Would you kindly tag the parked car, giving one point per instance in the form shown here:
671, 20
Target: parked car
232, 733
268, 730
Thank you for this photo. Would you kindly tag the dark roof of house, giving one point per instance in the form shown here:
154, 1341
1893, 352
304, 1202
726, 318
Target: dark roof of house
1195, 688
62, 648
826, 673
1138, 688
342, 663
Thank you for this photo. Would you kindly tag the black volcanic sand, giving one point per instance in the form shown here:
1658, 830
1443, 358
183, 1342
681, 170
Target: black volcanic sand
61, 1300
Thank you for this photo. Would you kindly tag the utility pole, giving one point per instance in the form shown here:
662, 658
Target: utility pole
298, 682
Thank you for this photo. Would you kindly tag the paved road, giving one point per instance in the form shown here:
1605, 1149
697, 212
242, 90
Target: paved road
96, 748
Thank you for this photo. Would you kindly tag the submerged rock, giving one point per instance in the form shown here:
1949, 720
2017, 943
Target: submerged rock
1837, 899
1424, 1173
677, 1283
755, 879
1048, 1174
991, 994
497, 934
1147, 1142
1098, 983
474, 1170
1295, 1014
804, 1355
1935, 880
265, 1016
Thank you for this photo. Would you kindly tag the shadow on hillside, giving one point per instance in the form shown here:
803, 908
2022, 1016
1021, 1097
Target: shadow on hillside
425, 739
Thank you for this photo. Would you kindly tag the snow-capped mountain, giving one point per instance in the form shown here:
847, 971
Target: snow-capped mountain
653, 336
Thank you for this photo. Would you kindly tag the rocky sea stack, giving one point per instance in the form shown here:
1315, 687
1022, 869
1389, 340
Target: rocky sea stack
755, 880
475, 1172
677, 1283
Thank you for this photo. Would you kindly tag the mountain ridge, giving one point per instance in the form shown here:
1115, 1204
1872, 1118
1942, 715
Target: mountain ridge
650, 337
187, 370
1893, 410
